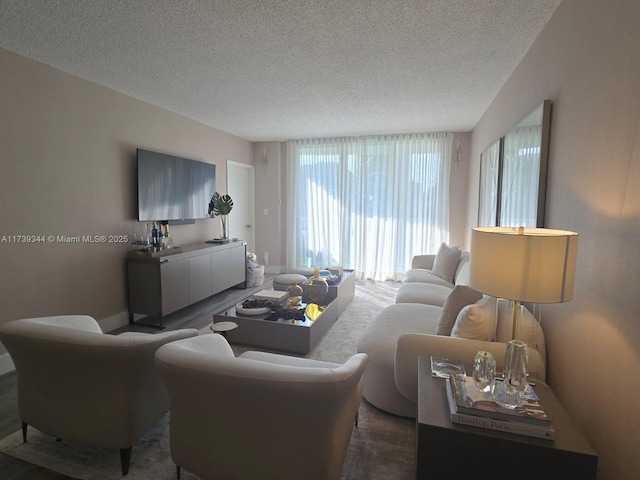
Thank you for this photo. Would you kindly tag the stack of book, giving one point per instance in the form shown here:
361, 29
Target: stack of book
470, 406
273, 295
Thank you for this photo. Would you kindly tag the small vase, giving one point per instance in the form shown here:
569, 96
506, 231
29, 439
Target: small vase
294, 294
484, 371
223, 219
508, 393
316, 288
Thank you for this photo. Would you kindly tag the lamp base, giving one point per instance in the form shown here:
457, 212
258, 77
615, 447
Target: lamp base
516, 315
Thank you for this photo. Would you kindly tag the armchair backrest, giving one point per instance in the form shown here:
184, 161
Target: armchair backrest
243, 415
76, 383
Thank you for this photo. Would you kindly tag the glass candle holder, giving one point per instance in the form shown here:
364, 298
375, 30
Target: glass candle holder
484, 371
508, 393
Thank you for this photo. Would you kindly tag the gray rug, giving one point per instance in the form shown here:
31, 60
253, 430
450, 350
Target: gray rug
381, 448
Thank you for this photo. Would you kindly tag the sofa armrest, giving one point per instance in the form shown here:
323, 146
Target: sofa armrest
410, 346
423, 261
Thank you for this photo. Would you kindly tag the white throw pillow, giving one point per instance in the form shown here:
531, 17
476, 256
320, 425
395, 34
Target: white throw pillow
477, 321
446, 262
460, 297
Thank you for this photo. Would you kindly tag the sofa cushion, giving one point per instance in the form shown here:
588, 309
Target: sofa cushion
428, 294
420, 275
460, 297
446, 262
462, 275
477, 321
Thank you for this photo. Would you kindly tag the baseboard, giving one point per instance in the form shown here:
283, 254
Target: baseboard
6, 364
114, 321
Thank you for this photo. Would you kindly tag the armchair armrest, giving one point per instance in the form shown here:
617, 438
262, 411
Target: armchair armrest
423, 261
413, 345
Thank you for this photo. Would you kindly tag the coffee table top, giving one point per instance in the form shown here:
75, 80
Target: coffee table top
306, 321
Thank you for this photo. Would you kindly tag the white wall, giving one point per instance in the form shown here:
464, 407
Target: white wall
587, 62
270, 199
68, 167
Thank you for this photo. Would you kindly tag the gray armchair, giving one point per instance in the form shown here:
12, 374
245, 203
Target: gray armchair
78, 384
260, 415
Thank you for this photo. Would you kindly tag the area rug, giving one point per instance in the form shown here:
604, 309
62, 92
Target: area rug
382, 445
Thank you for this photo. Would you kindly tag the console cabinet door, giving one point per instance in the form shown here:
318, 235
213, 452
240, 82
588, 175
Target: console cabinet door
174, 285
199, 277
238, 265
144, 288
228, 268
220, 267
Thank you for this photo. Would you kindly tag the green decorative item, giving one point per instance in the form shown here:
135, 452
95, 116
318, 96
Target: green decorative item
221, 205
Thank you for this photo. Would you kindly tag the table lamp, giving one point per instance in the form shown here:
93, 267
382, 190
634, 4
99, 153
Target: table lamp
535, 265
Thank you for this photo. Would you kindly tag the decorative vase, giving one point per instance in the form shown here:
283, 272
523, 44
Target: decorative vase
294, 294
223, 219
316, 288
508, 393
484, 371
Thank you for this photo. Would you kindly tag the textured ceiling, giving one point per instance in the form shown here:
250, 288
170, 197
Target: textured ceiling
285, 69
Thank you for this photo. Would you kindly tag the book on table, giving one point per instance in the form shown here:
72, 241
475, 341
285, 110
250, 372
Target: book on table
470, 406
274, 295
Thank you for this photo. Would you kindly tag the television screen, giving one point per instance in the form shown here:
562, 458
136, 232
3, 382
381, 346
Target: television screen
173, 188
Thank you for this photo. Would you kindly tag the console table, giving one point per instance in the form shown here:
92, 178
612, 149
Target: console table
453, 451
159, 284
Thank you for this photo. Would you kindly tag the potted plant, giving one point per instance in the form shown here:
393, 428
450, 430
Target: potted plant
221, 205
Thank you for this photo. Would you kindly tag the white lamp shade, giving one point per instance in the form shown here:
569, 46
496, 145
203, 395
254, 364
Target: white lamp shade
534, 265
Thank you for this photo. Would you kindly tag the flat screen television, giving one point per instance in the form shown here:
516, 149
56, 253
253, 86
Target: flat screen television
173, 188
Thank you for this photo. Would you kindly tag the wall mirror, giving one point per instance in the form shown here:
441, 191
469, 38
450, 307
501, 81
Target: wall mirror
513, 174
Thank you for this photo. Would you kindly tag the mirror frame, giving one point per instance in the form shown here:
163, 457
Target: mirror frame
542, 177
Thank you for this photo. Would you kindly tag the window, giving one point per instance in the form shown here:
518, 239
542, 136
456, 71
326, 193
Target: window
369, 203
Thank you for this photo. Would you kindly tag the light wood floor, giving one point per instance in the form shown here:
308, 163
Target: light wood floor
195, 316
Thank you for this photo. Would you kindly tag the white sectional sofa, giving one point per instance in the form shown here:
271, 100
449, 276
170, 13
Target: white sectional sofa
437, 314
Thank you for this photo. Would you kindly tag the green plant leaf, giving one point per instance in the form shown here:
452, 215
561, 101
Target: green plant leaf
220, 205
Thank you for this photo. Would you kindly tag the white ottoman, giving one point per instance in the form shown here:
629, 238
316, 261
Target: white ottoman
282, 281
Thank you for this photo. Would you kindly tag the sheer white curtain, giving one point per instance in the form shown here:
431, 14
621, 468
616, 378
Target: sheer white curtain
520, 177
368, 203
